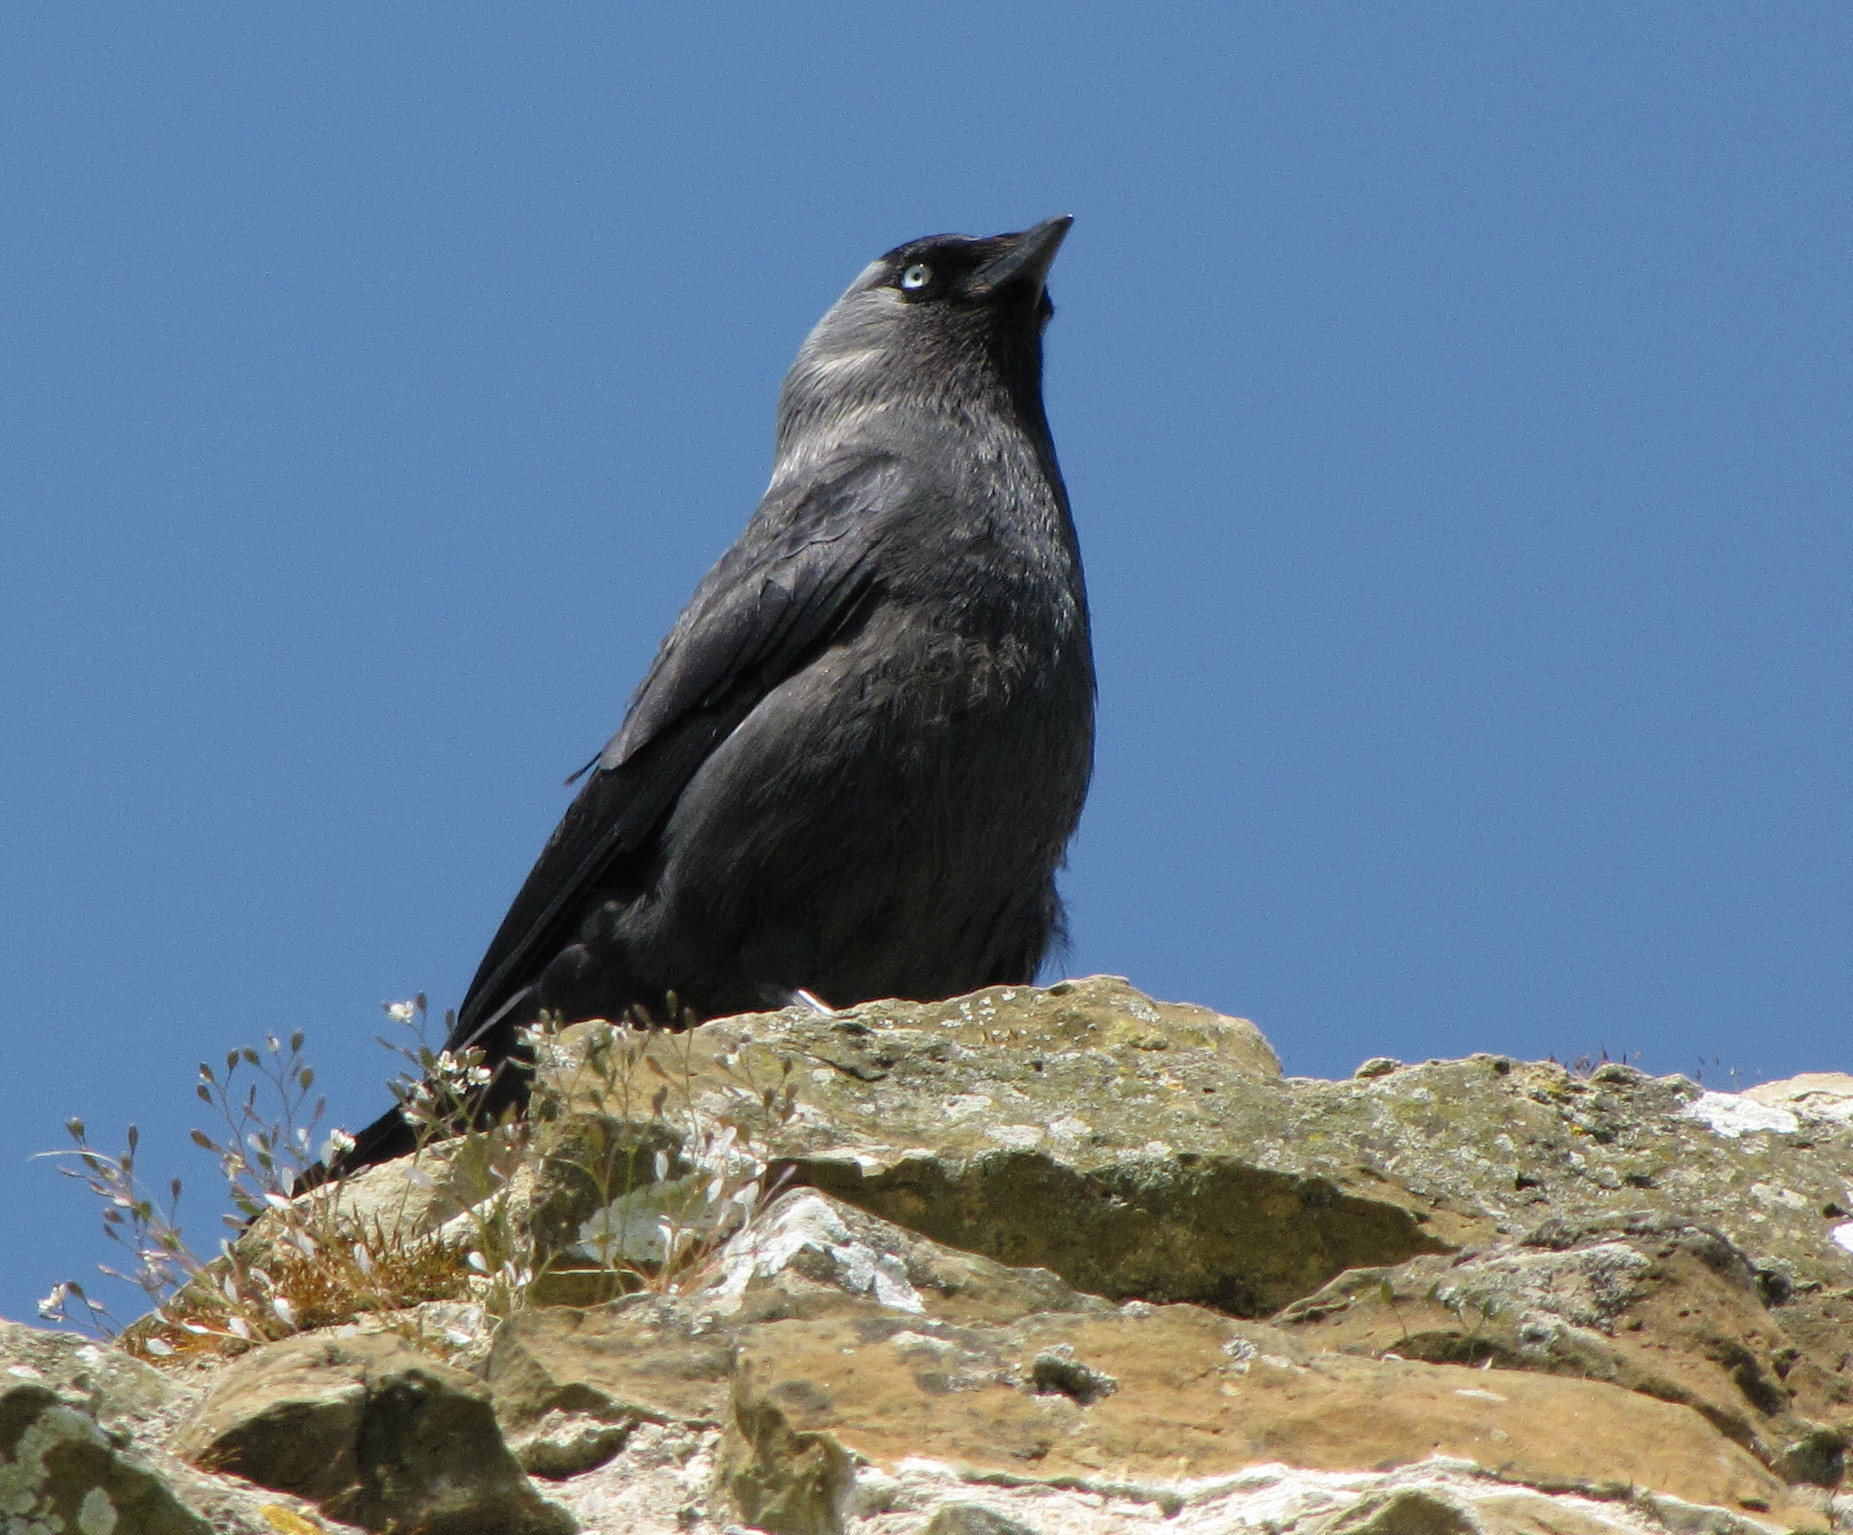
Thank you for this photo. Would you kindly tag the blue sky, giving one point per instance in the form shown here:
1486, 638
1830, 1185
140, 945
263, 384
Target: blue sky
1454, 400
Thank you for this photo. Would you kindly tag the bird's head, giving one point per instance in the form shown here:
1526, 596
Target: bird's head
939, 320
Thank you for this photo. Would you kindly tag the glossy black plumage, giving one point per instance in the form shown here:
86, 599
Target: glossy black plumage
855, 764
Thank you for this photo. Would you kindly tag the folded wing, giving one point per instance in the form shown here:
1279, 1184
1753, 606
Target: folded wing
798, 575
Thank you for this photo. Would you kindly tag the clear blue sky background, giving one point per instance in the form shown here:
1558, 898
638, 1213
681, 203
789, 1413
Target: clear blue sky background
1454, 398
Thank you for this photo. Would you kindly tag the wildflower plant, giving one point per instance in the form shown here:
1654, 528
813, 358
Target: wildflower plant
615, 1122
668, 1172
148, 1230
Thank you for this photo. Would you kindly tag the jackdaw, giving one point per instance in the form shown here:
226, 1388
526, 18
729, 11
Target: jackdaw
855, 763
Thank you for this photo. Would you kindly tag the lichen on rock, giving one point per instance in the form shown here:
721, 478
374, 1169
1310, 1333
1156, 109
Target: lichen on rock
1063, 1261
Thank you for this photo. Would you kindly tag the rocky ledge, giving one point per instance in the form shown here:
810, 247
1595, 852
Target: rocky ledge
1057, 1260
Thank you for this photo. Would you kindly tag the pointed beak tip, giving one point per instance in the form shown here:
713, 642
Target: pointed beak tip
1031, 253
1049, 233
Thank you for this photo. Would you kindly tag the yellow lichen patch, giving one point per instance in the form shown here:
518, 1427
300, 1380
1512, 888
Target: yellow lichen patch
286, 1521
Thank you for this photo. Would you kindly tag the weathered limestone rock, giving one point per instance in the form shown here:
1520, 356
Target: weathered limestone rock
831, 1386
374, 1432
1081, 1128
1176, 1394
1520, 1144
570, 1384
1813, 1095
1014, 1285
1652, 1303
806, 1243
59, 1471
84, 1442
121, 1393
973, 1519
1084, 1130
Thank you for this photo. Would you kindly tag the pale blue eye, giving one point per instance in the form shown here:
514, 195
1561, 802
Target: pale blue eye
916, 276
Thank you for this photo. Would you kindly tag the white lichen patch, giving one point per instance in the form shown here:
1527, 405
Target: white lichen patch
25, 1477
657, 1484
1276, 1499
96, 1515
806, 1222
1732, 1115
901, 1342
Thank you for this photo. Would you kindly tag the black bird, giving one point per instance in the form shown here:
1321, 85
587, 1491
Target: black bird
859, 755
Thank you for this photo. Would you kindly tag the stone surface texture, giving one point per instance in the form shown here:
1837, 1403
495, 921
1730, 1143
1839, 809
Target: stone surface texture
1063, 1261
372, 1430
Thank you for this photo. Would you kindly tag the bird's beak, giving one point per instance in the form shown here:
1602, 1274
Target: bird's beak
1027, 258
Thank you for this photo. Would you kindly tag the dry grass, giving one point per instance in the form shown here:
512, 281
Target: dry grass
201, 1321
671, 1180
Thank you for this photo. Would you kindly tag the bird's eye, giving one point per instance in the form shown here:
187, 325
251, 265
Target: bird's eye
916, 277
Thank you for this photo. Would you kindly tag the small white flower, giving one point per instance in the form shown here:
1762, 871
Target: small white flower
52, 1306
401, 1012
286, 1313
159, 1347
478, 1262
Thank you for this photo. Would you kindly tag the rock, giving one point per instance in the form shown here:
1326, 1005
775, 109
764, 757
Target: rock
657, 1484
569, 1385
806, 1242
831, 1386
1408, 1511
828, 1395
1081, 1128
1134, 1158
1813, 1095
1377, 1066
973, 1519
99, 1443
121, 1393
1015, 1281
1195, 1396
374, 1432
1651, 1303
59, 1471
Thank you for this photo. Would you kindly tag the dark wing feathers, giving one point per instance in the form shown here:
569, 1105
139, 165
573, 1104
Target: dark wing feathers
768, 599
798, 573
